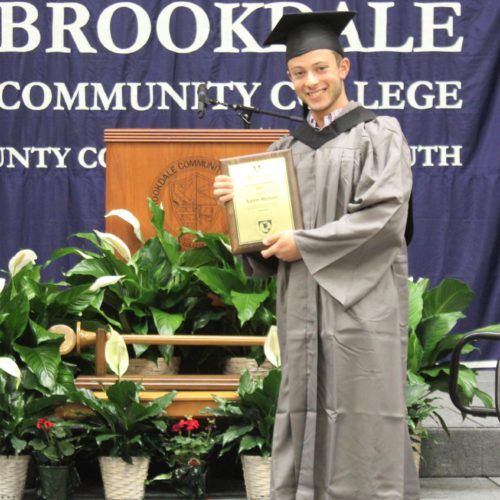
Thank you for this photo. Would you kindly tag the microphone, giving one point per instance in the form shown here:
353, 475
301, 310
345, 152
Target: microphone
202, 100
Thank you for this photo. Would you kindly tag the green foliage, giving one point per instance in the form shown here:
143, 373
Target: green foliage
185, 450
187, 441
27, 305
19, 411
165, 289
57, 441
254, 413
433, 313
420, 406
122, 426
27, 308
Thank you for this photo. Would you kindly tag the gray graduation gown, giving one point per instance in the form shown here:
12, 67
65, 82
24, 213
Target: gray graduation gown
341, 429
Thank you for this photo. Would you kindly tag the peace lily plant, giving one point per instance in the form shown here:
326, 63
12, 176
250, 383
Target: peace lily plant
20, 408
122, 426
164, 289
32, 367
433, 314
254, 411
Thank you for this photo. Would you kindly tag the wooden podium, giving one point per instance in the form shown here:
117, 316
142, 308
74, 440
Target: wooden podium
174, 167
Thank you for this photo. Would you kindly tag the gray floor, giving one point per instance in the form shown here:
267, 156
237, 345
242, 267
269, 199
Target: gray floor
460, 488
472, 449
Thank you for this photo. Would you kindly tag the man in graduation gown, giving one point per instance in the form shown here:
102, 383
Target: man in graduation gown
341, 430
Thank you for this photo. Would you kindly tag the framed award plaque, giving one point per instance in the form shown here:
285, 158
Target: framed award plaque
266, 198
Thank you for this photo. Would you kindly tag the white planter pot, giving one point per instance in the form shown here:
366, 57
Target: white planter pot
122, 480
13, 471
257, 475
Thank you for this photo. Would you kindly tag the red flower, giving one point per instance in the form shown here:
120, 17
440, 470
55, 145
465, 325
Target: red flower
177, 427
44, 424
192, 424
194, 462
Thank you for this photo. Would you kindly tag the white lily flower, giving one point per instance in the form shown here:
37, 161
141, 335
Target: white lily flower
117, 243
272, 346
105, 281
21, 259
2, 284
8, 365
116, 353
130, 218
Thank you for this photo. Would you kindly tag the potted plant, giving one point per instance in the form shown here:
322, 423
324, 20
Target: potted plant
125, 430
165, 289
33, 378
54, 446
252, 431
433, 313
19, 409
185, 450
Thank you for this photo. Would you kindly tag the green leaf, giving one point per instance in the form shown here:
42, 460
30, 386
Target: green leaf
220, 281
16, 322
91, 267
63, 252
271, 384
415, 352
166, 323
123, 392
248, 443
43, 361
169, 242
43, 335
495, 328
431, 331
247, 384
78, 298
415, 305
235, 432
247, 304
446, 345
450, 296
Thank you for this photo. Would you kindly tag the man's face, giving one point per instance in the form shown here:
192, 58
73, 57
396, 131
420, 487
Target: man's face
319, 81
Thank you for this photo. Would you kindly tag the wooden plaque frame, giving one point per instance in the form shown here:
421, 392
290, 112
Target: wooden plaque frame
261, 209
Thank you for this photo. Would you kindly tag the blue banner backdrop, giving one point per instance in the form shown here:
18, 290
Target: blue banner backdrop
71, 69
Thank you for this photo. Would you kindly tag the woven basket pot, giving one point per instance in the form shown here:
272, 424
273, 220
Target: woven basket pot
123, 481
417, 452
236, 366
13, 471
257, 475
143, 366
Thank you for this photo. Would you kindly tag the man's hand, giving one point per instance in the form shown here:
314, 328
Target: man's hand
281, 245
223, 189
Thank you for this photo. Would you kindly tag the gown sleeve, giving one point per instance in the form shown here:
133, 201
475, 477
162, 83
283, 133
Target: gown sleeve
347, 257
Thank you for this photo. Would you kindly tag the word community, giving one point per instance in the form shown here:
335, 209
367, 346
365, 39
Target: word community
137, 96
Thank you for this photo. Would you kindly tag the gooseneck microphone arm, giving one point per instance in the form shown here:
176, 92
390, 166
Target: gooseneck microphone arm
244, 112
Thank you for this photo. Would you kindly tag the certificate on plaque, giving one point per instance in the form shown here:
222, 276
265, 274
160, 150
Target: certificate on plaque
265, 201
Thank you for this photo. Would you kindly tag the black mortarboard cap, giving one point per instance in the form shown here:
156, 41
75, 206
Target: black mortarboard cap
303, 32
